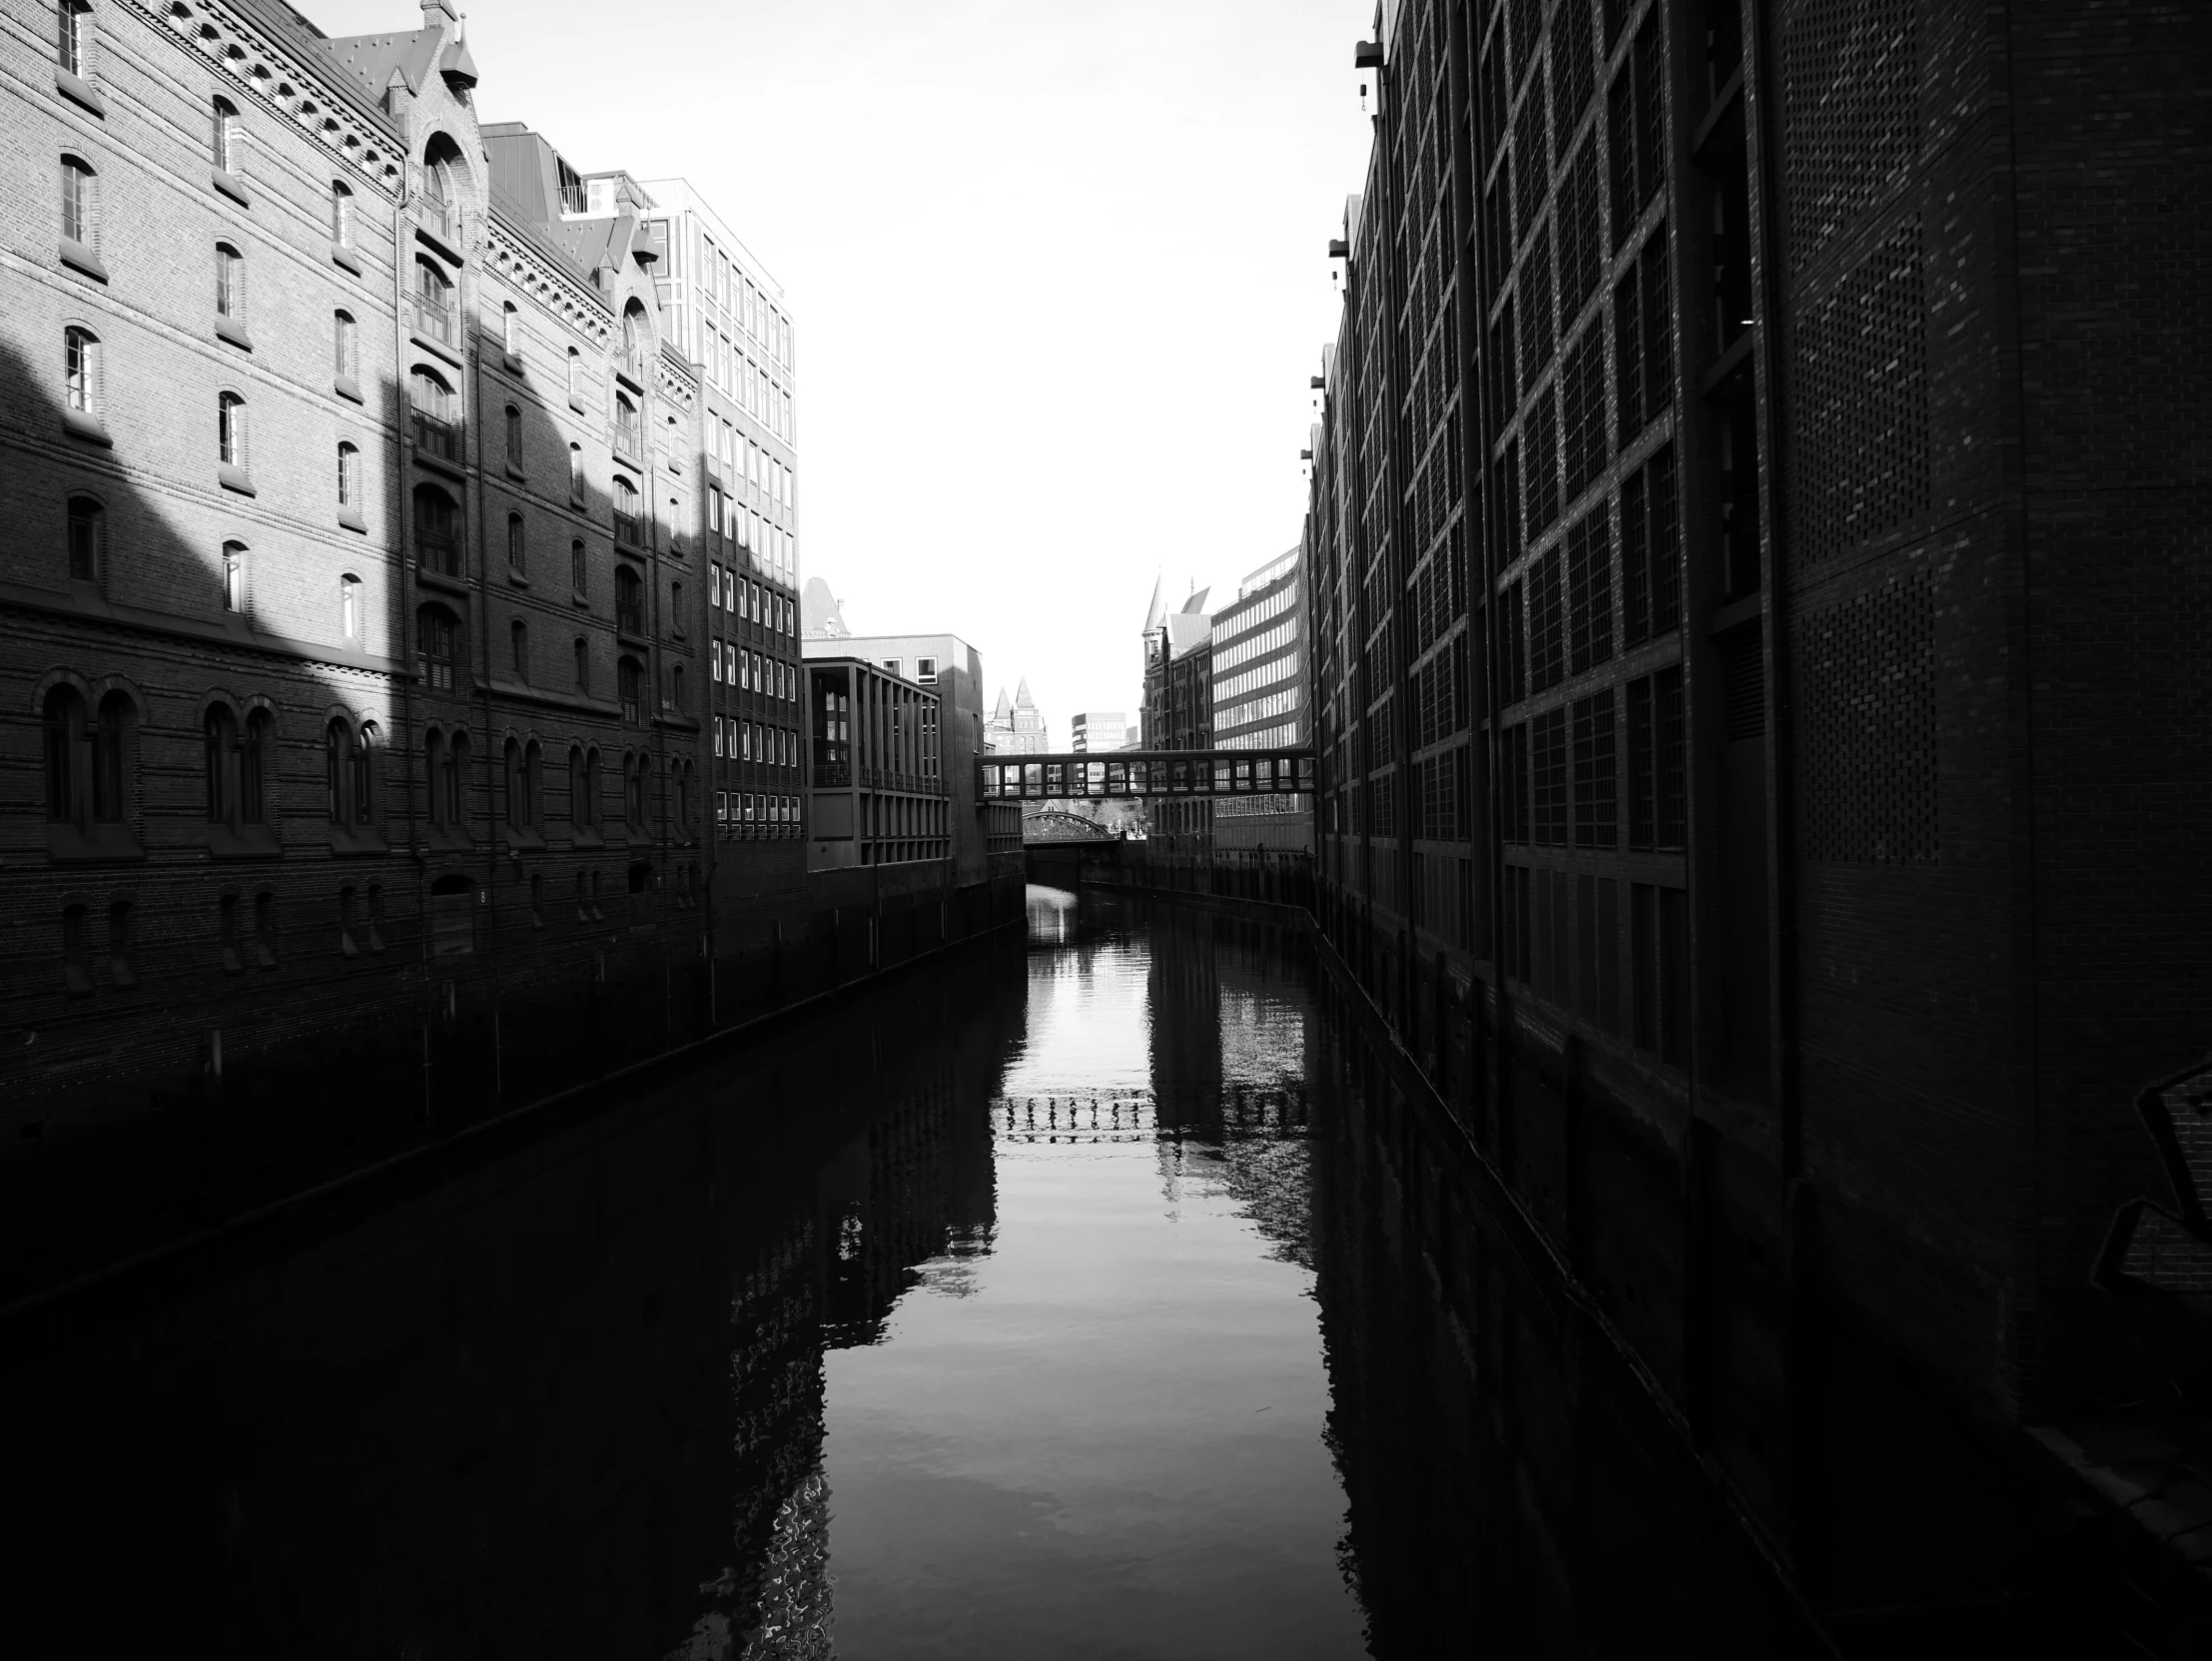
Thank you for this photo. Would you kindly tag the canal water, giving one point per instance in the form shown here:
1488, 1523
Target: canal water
1070, 1298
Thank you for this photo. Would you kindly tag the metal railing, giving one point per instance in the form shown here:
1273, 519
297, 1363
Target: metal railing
438, 437
441, 217
440, 552
434, 321
832, 775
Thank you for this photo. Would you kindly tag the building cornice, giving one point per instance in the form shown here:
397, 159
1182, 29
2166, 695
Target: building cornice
516, 256
364, 140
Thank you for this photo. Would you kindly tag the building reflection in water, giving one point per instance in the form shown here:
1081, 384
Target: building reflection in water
580, 1400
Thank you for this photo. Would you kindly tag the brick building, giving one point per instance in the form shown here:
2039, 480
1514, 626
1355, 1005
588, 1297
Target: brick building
1179, 711
1754, 538
381, 565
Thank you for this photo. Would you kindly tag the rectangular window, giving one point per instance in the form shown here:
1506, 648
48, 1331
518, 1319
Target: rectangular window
1672, 814
1547, 628
1642, 758
1540, 455
1590, 590
1548, 778
1596, 824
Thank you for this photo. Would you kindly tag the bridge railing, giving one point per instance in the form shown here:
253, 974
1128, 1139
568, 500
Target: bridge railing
1146, 773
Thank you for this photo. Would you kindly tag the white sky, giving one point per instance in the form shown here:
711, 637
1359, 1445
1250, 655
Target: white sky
1059, 272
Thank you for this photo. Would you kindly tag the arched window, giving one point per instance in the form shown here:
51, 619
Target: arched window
234, 576
338, 770
230, 283
591, 789
441, 173
578, 814
229, 429
348, 475
80, 369
363, 800
637, 341
73, 52
630, 688
439, 657
223, 136
438, 537
111, 743
627, 435
79, 183
254, 759
342, 214
583, 664
219, 757
576, 476
68, 761
433, 303
348, 609
575, 376
629, 601
449, 784
88, 536
533, 785
578, 570
436, 415
683, 799
519, 636
515, 437
434, 768
345, 347
517, 813
626, 514
675, 688
642, 895
511, 331
515, 554
634, 791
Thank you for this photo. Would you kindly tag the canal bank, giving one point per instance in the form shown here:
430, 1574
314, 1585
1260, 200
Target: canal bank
292, 1127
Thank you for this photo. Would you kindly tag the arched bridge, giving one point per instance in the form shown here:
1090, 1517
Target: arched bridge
1146, 773
1057, 824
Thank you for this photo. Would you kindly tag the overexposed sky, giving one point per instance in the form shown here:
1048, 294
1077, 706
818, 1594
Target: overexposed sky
1059, 272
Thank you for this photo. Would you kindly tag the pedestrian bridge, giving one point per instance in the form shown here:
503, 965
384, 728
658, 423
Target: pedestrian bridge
1133, 773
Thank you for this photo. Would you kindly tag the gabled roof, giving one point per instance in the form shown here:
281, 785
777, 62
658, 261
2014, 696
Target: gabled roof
1021, 698
375, 59
1196, 603
1004, 709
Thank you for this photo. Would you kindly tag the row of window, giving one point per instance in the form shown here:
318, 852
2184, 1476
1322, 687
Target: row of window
1561, 779
750, 671
1257, 646
1268, 674
776, 815
750, 600
736, 741
1255, 710
726, 287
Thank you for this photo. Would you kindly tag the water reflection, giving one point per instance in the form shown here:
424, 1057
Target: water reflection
1093, 1300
